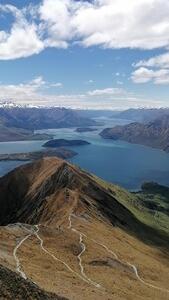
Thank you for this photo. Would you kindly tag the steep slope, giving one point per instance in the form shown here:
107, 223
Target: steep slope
77, 236
52, 188
34, 201
154, 134
41, 118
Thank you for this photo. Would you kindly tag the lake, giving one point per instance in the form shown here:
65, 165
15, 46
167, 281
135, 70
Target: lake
128, 165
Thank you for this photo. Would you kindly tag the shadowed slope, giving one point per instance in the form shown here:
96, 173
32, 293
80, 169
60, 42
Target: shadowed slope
12, 286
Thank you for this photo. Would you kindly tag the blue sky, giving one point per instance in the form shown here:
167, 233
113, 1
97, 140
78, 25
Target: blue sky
55, 52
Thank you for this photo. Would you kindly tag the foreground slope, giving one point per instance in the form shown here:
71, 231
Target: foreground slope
77, 236
12, 286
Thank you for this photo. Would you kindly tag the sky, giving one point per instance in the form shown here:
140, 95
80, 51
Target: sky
100, 54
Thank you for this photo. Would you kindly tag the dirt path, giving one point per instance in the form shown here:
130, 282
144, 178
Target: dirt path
134, 268
54, 257
83, 275
18, 265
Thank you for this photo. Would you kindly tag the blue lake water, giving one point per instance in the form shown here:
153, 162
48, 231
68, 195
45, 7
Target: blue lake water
116, 161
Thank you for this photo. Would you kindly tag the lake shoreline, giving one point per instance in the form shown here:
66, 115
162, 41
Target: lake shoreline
118, 162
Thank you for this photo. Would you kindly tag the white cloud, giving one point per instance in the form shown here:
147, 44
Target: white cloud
57, 85
21, 91
142, 24
119, 82
135, 24
143, 75
89, 82
31, 90
22, 40
159, 61
155, 69
106, 92
37, 82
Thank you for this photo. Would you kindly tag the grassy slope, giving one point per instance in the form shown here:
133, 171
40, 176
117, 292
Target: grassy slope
150, 207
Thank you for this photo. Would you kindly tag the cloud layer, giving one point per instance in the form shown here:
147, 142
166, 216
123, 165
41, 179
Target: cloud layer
142, 24
109, 98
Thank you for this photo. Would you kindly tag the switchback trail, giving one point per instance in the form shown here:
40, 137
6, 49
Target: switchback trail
134, 268
18, 265
83, 247
36, 233
84, 278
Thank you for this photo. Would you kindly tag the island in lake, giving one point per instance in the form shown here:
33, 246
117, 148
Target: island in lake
60, 152
85, 129
64, 143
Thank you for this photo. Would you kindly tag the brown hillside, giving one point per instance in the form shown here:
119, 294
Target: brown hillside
67, 231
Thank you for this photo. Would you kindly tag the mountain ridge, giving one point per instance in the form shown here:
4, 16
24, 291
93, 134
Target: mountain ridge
154, 134
11, 134
35, 118
62, 224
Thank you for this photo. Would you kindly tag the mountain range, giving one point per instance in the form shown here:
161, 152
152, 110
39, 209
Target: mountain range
142, 115
34, 118
154, 133
71, 234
